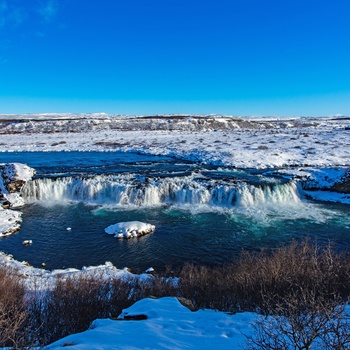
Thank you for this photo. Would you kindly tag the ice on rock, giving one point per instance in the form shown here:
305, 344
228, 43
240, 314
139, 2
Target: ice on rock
27, 242
130, 229
12, 178
9, 221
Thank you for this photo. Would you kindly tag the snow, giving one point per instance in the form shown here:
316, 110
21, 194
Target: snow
169, 325
9, 221
17, 171
130, 229
240, 142
10, 174
322, 178
41, 279
327, 196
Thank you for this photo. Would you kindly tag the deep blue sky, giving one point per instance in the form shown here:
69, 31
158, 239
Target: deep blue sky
248, 57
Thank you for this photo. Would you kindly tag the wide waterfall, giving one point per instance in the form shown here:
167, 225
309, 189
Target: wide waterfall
129, 190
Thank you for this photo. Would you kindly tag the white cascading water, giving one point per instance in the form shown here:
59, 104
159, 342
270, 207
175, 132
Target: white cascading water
128, 190
249, 196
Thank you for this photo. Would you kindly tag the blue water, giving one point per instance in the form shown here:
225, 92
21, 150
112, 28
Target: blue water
202, 215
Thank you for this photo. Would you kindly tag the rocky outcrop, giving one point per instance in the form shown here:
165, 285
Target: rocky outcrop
344, 185
12, 178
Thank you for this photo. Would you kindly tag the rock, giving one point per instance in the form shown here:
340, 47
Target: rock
138, 317
130, 229
344, 185
27, 242
187, 303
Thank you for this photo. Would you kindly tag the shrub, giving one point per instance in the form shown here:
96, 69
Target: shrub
244, 285
74, 303
13, 314
304, 320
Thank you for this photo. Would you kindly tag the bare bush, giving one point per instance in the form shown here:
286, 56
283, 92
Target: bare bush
244, 285
74, 303
13, 313
304, 320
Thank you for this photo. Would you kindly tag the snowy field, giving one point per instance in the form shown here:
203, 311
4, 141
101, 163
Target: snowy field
228, 141
313, 150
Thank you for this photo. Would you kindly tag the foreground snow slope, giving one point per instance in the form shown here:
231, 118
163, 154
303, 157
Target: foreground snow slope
169, 326
240, 142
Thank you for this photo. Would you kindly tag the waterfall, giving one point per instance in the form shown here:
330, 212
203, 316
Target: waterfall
278, 194
130, 190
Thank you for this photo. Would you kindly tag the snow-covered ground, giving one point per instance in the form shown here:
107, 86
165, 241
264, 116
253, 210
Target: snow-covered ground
228, 141
36, 279
169, 325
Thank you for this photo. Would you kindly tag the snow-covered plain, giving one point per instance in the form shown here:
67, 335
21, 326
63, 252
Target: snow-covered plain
228, 141
313, 150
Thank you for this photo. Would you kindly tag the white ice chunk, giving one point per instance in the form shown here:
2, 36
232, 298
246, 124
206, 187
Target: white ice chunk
27, 242
130, 229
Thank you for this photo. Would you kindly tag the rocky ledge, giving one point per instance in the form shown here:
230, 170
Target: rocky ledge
12, 178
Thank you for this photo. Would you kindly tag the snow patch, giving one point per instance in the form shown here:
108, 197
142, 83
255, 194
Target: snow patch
130, 229
169, 325
9, 221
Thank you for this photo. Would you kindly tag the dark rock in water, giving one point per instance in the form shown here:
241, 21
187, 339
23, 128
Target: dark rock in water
344, 185
150, 270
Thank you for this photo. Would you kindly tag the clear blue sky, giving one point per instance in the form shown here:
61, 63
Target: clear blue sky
247, 57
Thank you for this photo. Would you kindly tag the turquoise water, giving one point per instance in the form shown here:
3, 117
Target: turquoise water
202, 215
